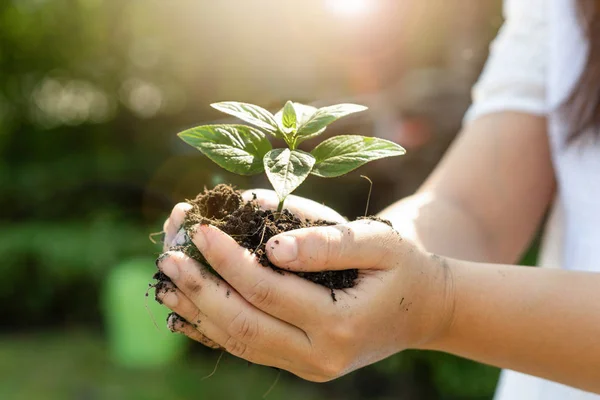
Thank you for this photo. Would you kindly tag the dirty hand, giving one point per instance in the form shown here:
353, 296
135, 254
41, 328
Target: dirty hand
402, 298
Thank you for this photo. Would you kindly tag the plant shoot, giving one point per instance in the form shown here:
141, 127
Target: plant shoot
246, 150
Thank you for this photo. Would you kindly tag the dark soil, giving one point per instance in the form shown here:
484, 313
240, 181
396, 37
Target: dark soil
251, 227
377, 219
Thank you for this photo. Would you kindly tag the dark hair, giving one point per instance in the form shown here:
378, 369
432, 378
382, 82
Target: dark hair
583, 105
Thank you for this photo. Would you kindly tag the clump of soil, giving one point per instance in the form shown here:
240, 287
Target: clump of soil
251, 227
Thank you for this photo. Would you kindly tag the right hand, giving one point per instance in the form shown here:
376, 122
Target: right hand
268, 200
403, 298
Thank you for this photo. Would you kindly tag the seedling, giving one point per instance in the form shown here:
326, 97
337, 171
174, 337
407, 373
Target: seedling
246, 150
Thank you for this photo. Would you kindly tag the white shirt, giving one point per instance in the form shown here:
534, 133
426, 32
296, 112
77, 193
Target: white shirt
534, 63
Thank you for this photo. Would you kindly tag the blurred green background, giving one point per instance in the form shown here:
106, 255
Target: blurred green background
92, 93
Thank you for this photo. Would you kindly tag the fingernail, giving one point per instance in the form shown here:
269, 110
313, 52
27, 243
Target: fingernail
169, 267
161, 258
173, 320
170, 299
284, 249
199, 237
181, 238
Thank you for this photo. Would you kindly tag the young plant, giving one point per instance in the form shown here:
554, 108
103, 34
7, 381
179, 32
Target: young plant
245, 150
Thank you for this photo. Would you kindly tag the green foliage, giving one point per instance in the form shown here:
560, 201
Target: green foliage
324, 116
453, 376
291, 117
303, 113
249, 113
287, 169
52, 265
341, 154
288, 118
74, 248
239, 148
72, 364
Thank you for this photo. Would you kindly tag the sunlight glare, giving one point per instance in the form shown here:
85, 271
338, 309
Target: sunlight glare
348, 7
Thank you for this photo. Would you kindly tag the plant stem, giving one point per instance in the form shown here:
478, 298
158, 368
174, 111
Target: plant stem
280, 206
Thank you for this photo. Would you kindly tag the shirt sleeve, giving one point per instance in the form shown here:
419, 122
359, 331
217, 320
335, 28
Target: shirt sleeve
514, 76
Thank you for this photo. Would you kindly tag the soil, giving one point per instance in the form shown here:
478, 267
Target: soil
251, 227
377, 219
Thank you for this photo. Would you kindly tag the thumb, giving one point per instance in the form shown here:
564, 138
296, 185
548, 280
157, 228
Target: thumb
363, 244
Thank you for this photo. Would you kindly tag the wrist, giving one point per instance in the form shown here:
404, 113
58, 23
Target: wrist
443, 302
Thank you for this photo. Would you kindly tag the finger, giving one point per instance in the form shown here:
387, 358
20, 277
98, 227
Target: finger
174, 299
285, 296
174, 222
363, 244
175, 323
245, 325
202, 330
299, 206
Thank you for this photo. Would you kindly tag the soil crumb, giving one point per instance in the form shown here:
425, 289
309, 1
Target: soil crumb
378, 219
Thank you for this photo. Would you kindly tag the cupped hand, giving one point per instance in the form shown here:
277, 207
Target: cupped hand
402, 298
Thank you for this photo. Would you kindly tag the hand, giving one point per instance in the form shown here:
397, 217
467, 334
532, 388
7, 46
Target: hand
403, 298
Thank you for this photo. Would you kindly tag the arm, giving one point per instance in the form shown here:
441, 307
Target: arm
543, 322
487, 197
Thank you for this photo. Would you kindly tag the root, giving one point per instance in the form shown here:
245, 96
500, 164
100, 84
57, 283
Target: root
369, 196
151, 236
262, 237
250, 234
272, 385
216, 366
151, 286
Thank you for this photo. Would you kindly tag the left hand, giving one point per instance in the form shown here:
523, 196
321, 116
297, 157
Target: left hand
402, 298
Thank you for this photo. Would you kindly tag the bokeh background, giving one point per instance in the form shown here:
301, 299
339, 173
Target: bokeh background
92, 93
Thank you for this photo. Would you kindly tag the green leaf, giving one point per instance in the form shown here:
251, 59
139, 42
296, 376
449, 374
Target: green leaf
249, 113
288, 119
237, 148
303, 113
323, 117
287, 169
341, 154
